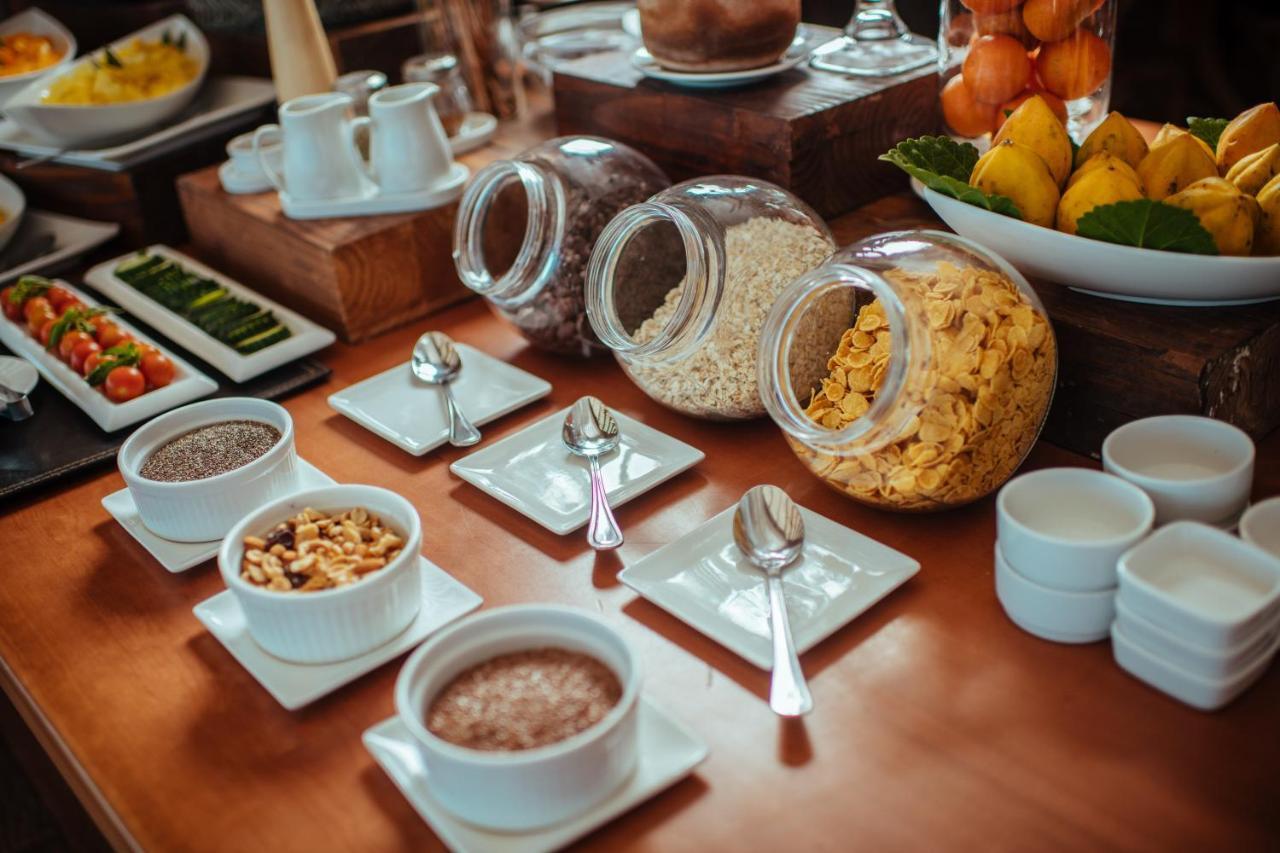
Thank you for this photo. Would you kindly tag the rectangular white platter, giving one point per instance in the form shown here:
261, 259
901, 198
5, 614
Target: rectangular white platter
188, 383
307, 336
71, 237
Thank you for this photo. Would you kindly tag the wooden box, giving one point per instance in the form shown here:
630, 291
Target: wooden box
815, 133
359, 276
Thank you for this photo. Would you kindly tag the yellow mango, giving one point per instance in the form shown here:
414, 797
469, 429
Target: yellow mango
1171, 131
1252, 130
1225, 212
1034, 125
1016, 171
1177, 163
1266, 237
1103, 184
1115, 136
1251, 172
1104, 160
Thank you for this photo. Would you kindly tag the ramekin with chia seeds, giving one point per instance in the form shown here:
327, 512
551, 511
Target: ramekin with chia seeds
189, 492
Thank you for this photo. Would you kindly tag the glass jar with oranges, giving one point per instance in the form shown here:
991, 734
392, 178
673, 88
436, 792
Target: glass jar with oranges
997, 53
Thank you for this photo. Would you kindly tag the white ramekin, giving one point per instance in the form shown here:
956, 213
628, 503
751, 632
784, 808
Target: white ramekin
333, 624
1053, 614
1190, 658
527, 789
1065, 528
204, 510
1260, 525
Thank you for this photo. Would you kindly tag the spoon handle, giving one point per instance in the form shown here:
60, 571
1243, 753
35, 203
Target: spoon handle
603, 532
461, 432
788, 693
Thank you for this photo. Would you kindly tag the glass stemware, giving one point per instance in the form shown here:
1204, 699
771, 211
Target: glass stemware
876, 43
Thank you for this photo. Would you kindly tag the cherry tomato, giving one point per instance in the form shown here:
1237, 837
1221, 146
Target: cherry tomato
158, 369
60, 298
37, 309
69, 342
124, 383
12, 310
108, 333
80, 354
90, 362
45, 331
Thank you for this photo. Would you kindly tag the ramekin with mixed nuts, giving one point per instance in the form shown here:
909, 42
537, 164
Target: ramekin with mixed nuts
315, 550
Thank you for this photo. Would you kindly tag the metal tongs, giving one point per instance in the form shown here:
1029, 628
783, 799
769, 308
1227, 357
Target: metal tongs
17, 407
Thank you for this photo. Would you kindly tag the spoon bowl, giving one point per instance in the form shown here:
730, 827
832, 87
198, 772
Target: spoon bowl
436, 362
590, 430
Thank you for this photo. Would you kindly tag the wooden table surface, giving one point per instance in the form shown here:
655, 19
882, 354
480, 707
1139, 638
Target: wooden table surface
938, 723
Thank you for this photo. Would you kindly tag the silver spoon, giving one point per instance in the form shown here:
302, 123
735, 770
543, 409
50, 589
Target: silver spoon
591, 431
436, 362
768, 529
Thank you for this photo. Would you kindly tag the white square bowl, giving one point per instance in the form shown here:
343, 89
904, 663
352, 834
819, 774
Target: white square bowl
1202, 585
1193, 659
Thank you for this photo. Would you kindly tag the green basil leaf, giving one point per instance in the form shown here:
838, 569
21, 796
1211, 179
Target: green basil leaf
29, 286
99, 374
1147, 224
1208, 129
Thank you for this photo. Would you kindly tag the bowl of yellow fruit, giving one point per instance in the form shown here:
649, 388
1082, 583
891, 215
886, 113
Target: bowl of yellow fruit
117, 92
1190, 218
32, 45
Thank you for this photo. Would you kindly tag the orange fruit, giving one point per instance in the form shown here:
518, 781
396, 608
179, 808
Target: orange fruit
1055, 103
991, 7
1054, 20
996, 68
964, 115
1004, 23
1075, 66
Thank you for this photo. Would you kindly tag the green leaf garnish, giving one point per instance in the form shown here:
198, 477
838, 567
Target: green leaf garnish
72, 319
29, 286
944, 165
1147, 224
182, 42
111, 59
122, 355
1208, 129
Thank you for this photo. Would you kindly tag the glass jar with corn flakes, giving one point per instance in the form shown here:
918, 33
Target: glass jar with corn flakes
912, 372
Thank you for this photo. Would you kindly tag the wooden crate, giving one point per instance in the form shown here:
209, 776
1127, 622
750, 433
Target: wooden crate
359, 276
815, 133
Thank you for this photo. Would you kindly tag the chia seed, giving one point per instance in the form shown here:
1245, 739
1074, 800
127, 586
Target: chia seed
208, 451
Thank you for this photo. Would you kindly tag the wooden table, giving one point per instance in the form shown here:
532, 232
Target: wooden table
938, 724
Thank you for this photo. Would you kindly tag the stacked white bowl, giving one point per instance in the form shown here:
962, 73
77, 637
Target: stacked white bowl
1061, 532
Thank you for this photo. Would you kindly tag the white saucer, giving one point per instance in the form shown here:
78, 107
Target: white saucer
667, 753
410, 414
476, 130
799, 51
535, 474
18, 374
444, 599
704, 580
445, 191
237, 183
181, 556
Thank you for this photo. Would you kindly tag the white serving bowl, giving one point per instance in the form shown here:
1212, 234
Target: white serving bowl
1194, 468
82, 125
331, 624
1190, 658
1065, 528
1260, 525
204, 510
39, 23
522, 790
1202, 585
1053, 614
14, 203
1205, 694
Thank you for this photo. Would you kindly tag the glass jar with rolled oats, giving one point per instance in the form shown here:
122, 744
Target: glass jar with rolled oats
679, 287
933, 385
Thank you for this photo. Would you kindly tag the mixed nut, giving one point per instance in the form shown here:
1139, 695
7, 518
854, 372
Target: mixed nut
316, 550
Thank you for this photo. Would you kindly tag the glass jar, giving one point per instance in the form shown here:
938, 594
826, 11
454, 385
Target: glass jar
526, 227
680, 285
453, 101
993, 54
912, 372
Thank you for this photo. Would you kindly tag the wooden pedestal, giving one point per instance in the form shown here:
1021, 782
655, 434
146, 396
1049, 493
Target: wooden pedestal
815, 133
359, 276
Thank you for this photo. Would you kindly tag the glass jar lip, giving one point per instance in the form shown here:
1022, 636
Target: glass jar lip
536, 260
772, 365
694, 312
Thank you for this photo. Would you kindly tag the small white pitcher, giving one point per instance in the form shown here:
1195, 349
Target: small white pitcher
321, 161
408, 149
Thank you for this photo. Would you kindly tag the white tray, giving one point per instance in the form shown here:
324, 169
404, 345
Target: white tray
307, 336
188, 383
71, 237
374, 203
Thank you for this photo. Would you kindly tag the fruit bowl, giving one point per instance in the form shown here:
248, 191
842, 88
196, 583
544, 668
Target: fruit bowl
1110, 270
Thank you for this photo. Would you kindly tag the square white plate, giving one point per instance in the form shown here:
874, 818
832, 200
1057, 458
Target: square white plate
307, 336
188, 383
66, 238
181, 556
535, 474
444, 599
667, 753
411, 415
703, 579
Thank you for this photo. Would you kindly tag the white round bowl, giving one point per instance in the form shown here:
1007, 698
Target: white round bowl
1066, 528
81, 125
204, 510
522, 790
1194, 468
1260, 525
1052, 614
14, 203
331, 624
39, 23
